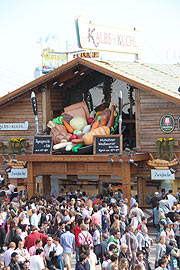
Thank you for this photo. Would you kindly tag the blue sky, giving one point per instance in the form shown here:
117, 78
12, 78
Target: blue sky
23, 22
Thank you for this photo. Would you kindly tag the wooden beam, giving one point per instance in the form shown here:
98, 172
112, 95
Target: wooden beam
78, 158
126, 181
46, 185
137, 117
46, 107
31, 181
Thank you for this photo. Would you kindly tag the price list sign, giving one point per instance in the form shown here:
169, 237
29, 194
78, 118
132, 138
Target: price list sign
106, 145
42, 144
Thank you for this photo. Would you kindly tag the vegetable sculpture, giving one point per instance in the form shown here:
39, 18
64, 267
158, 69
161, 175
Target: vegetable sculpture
78, 131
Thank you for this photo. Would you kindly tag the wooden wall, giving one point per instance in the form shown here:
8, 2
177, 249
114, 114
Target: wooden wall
19, 111
57, 101
149, 109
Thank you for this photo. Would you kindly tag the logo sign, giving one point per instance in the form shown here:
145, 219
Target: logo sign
162, 175
167, 123
105, 38
87, 55
52, 60
18, 173
14, 126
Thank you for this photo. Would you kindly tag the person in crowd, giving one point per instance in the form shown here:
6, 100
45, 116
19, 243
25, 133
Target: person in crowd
96, 217
67, 241
162, 264
81, 262
139, 260
154, 200
160, 249
34, 218
7, 254
114, 239
96, 241
33, 236
123, 254
22, 253
144, 241
56, 254
132, 244
47, 249
171, 214
124, 264
103, 245
38, 245
122, 224
85, 237
105, 222
177, 231
14, 265
138, 211
37, 261
171, 198
164, 204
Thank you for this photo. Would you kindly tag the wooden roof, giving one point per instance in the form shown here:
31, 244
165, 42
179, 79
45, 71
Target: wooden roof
161, 80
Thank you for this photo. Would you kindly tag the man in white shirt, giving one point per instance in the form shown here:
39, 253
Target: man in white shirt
7, 254
171, 198
48, 248
36, 261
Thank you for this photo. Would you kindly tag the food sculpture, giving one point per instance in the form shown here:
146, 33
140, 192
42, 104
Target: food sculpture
74, 129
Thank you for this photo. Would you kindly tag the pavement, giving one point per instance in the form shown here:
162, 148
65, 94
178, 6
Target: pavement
152, 234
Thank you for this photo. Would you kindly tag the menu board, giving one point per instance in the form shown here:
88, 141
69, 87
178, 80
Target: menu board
42, 144
107, 144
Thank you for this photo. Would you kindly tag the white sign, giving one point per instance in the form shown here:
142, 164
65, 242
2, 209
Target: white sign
18, 173
14, 126
162, 175
105, 38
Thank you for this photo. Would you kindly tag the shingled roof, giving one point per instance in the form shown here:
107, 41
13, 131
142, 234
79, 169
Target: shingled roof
162, 80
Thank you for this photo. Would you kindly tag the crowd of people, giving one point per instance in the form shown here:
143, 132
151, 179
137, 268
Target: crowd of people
40, 234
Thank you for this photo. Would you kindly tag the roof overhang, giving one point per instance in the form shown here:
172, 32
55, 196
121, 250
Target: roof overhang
99, 66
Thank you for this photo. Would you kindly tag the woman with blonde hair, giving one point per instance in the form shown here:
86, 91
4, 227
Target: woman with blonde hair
116, 224
124, 264
160, 248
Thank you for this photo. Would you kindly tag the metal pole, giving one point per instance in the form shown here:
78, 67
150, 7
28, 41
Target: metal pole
34, 105
120, 111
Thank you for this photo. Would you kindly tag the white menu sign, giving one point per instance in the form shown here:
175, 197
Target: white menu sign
18, 173
162, 175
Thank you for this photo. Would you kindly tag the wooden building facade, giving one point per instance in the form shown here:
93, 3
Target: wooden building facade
156, 94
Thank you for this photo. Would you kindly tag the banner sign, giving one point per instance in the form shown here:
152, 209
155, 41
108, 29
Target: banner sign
167, 123
105, 38
14, 126
162, 175
52, 60
18, 173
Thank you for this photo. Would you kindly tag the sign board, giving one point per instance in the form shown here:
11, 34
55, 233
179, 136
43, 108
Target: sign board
86, 55
52, 60
162, 175
14, 126
42, 144
167, 123
107, 144
105, 38
18, 173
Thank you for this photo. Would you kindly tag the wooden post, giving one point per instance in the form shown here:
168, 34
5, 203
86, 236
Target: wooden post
126, 181
46, 185
141, 190
46, 107
31, 180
